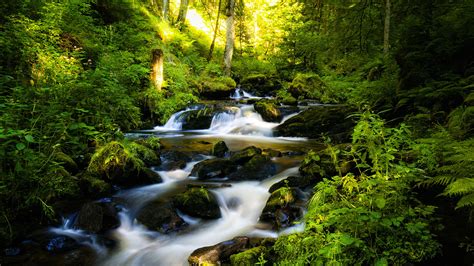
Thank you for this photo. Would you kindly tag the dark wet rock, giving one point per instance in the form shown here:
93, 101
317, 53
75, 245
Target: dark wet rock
282, 208
199, 119
219, 253
213, 168
288, 110
268, 110
173, 160
32, 255
260, 84
149, 176
208, 185
90, 184
259, 167
97, 217
301, 182
243, 156
50, 242
272, 153
219, 149
319, 121
198, 202
161, 217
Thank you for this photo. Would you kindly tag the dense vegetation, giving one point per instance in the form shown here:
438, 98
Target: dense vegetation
75, 75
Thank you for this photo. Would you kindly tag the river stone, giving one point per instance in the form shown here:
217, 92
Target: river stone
198, 202
213, 168
219, 149
319, 121
268, 110
97, 217
258, 167
243, 156
219, 253
161, 217
272, 153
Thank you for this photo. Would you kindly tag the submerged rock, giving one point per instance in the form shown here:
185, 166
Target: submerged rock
319, 121
161, 217
268, 110
172, 160
213, 168
198, 202
219, 253
219, 149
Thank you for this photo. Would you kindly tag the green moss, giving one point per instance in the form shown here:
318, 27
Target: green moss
198, 202
248, 257
280, 198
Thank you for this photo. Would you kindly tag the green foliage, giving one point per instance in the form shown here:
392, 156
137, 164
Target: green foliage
372, 218
118, 155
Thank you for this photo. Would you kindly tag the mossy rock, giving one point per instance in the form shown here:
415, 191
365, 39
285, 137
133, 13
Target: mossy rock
216, 88
199, 119
268, 110
301, 182
260, 84
282, 208
279, 198
67, 162
213, 168
161, 217
220, 253
198, 202
272, 153
309, 86
319, 121
93, 185
243, 156
259, 167
219, 149
248, 257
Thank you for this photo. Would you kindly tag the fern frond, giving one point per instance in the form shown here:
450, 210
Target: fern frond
466, 201
460, 187
438, 180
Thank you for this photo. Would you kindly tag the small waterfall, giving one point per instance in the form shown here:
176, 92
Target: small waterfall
241, 94
243, 121
175, 122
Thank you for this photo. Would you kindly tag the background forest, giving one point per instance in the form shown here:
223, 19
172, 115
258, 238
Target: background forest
77, 74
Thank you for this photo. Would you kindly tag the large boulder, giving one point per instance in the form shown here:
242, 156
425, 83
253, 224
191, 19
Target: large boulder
243, 156
218, 88
309, 86
161, 216
213, 168
220, 253
259, 167
260, 84
97, 217
268, 110
219, 149
198, 202
319, 121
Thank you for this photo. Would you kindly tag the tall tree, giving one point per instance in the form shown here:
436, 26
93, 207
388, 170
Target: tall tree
157, 68
386, 31
230, 36
183, 10
166, 8
216, 29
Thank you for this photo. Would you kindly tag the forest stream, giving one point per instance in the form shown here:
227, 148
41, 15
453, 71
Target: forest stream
239, 194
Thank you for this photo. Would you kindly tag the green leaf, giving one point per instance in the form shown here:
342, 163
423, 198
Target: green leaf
20, 146
380, 203
381, 262
29, 138
346, 240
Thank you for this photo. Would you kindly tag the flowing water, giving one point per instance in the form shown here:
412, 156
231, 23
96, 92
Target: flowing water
240, 203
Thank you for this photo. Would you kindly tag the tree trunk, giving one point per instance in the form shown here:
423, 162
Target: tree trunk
386, 31
230, 36
183, 10
157, 68
166, 8
216, 29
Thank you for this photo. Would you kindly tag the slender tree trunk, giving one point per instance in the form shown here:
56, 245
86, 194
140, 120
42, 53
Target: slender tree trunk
230, 36
386, 31
183, 10
157, 68
166, 8
211, 49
